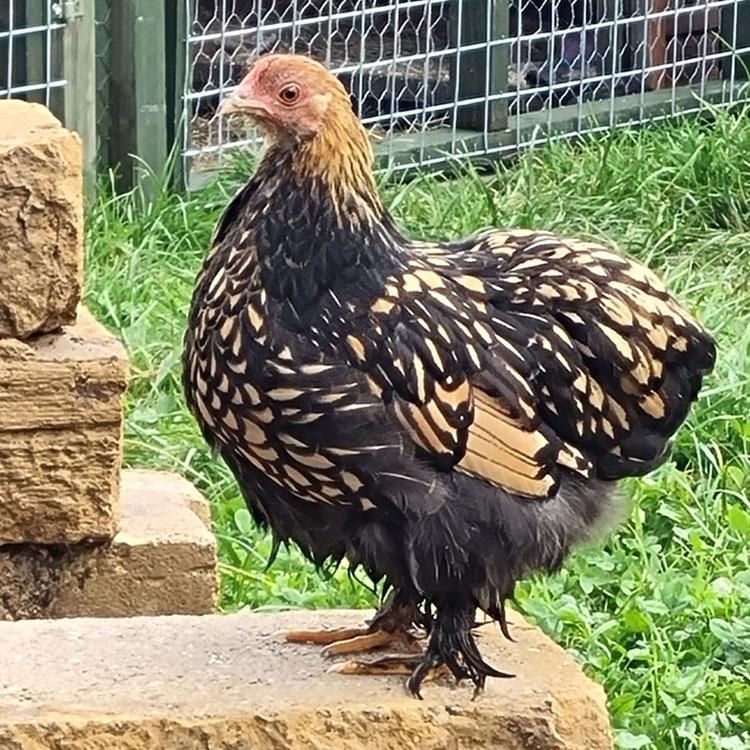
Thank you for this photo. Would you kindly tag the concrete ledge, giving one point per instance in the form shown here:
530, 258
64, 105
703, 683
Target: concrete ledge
228, 682
41, 221
162, 561
60, 434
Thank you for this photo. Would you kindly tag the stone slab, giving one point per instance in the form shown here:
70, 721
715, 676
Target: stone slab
61, 400
162, 561
229, 682
41, 221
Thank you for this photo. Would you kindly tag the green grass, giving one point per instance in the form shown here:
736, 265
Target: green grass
659, 613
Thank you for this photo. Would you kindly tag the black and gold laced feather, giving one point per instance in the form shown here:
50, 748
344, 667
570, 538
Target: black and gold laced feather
512, 357
346, 364
515, 356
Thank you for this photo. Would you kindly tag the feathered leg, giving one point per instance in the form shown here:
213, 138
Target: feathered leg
452, 650
392, 626
452, 645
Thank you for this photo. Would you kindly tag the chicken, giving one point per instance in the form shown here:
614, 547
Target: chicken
450, 416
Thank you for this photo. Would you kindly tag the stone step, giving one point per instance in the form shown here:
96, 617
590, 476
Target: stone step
61, 398
229, 682
161, 562
41, 221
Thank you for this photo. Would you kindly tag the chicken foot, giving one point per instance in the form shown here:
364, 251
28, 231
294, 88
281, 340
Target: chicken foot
391, 627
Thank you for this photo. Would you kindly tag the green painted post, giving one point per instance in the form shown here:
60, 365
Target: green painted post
478, 72
138, 99
176, 24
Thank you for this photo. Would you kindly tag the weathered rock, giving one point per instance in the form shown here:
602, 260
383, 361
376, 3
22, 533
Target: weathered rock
162, 561
61, 399
228, 682
41, 221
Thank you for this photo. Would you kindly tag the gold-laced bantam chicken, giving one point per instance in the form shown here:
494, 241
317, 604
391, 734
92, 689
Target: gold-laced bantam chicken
449, 416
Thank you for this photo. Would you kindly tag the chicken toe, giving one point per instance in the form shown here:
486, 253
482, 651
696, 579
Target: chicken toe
325, 637
373, 640
392, 664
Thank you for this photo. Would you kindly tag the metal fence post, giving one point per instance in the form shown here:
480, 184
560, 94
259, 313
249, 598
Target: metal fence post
79, 68
138, 107
480, 72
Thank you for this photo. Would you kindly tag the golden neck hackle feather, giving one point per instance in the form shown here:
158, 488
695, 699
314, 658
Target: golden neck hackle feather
340, 155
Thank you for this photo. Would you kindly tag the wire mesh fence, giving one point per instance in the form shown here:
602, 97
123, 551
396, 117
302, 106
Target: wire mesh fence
31, 36
432, 79
395, 64
436, 79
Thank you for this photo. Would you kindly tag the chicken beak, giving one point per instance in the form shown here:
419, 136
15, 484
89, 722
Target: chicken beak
230, 105
237, 103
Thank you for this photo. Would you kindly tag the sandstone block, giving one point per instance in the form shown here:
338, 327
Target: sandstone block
162, 561
229, 682
166, 483
41, 221
61, 399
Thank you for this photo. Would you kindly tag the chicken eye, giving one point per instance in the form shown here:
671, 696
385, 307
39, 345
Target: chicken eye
289, 94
